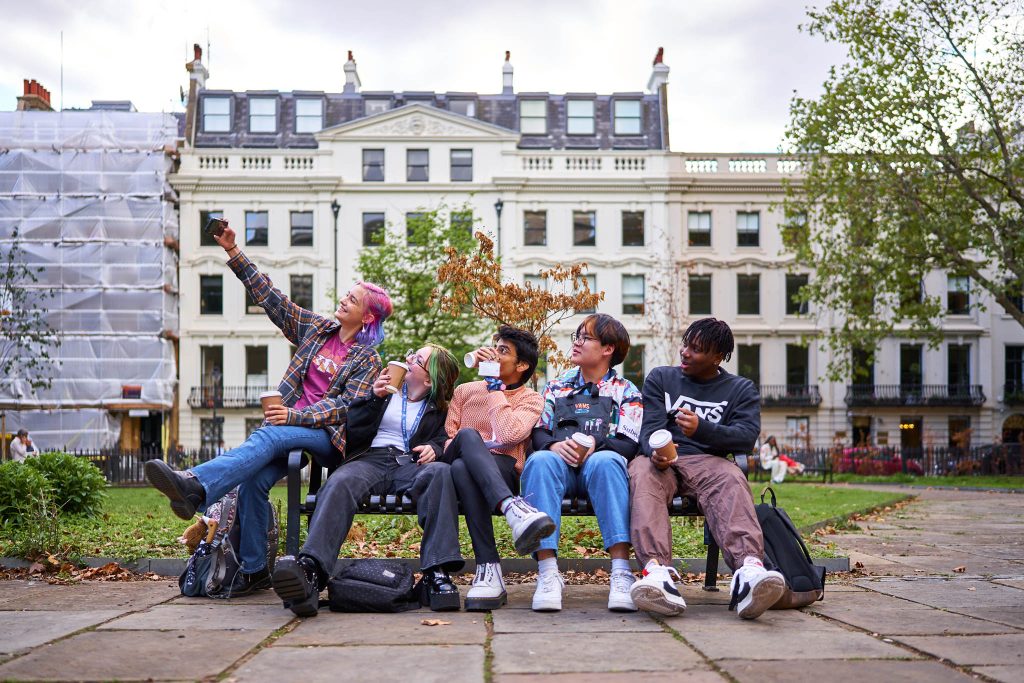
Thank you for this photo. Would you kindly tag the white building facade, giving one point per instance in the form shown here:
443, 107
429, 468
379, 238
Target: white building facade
578, 177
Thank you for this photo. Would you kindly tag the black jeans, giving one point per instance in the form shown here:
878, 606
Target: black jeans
378, 471
482, 479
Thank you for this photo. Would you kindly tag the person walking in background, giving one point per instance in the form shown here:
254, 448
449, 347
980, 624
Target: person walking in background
335, 362
22, 446
708, 414
593, 400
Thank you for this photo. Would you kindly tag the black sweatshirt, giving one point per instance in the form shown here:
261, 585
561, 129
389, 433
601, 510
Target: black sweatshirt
728, 406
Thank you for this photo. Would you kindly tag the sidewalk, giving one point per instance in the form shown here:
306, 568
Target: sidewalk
940, 597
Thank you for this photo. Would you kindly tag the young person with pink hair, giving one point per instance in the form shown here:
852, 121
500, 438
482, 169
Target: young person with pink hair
334, 364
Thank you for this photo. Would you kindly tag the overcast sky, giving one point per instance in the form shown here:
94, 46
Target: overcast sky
735, 63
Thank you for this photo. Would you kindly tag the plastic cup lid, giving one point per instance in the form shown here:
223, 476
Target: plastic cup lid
583, 439
660, 438
399, 364
268, 394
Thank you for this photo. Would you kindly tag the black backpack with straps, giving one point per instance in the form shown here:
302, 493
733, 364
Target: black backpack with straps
583, 410
786, 553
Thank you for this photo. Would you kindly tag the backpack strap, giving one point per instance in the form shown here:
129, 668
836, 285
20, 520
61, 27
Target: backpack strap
769, 489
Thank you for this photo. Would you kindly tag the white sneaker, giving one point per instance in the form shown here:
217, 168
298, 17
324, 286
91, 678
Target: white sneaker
618, 594
755, 589
488, 589
548, 596
529, 525
656, 591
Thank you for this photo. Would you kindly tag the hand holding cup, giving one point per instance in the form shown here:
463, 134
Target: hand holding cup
663, 449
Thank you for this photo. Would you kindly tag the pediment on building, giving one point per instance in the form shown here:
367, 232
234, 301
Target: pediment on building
416, 121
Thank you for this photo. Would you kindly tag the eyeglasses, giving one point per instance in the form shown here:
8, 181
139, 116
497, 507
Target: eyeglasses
414, 357
580, 338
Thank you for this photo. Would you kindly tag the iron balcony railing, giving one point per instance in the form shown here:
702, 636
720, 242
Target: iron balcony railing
914, 395
225, 397
789, 395
1013, 393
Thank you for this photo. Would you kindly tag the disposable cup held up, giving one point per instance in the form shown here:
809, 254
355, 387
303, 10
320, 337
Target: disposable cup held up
397, 370
662, 444
271, 398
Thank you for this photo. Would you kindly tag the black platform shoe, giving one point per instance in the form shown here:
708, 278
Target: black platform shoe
437, 591
185, 492
245, 584
297, 583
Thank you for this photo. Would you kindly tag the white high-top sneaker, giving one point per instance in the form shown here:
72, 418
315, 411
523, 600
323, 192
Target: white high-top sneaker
529, 525
656, 591
755, 589
488, 589
548, 596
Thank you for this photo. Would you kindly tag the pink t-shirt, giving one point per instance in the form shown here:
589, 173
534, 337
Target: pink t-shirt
324, 366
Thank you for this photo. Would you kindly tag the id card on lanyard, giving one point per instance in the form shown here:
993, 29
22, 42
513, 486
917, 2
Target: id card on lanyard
416, 423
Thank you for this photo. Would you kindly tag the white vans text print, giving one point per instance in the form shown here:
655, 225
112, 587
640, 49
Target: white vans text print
712, 412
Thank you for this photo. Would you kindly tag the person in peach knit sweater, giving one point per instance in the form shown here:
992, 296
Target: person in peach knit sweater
490, 422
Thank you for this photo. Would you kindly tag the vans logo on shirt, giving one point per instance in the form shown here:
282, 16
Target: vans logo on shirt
712, 412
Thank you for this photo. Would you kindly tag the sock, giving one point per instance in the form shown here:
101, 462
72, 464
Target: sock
549, 564
751, 560
503, 505
620, 565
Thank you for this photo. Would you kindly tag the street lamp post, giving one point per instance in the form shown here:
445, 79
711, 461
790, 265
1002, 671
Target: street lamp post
498, 206
335, 208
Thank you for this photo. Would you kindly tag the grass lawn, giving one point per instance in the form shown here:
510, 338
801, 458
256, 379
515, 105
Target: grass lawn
137, 522
980, 481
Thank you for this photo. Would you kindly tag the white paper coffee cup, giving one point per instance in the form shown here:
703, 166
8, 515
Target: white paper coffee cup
470, 360
583, 443
661, 442
397, 370
270, 398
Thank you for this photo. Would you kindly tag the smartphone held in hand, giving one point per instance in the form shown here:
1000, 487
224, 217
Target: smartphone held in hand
215, 227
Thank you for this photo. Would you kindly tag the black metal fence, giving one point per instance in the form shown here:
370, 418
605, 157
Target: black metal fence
991, 459
124, 467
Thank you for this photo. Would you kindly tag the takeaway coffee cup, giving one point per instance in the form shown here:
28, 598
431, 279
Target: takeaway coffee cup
270, 398
661, 443
582, 443
485, 368
397, 371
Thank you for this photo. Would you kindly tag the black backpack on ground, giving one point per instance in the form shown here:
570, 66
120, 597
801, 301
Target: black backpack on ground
786, 553
372, 586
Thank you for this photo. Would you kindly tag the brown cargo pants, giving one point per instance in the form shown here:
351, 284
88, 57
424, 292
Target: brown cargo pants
720, 488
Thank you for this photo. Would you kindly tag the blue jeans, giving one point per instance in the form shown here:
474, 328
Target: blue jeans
602, 479
256, 466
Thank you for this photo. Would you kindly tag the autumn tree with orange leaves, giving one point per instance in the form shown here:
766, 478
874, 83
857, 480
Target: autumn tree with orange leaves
474, 281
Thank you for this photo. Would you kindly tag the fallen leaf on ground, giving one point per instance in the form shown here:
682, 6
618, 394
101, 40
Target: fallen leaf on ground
435, 622
972, 588
858, 565
960, 570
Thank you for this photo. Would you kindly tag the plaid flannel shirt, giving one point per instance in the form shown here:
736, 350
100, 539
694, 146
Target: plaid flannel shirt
309, 331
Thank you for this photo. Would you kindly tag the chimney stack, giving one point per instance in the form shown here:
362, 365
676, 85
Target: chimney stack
659, 73
506, 75
352, 82
36, 97
196, 82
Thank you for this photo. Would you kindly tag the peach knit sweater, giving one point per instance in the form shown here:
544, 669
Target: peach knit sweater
504, 416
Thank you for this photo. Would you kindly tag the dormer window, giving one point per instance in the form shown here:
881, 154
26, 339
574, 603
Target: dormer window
216, 114
309, 115
262, 114
377, 106
533, 117
627, 117
581, 117
464, 107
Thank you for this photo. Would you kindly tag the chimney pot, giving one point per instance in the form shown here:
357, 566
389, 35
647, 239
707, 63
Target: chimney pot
506, 74
197, 51
659, 72
352, 82
36, 97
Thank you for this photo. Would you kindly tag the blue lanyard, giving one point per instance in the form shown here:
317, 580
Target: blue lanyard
416, 424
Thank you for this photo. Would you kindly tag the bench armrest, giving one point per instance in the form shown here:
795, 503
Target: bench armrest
294, 496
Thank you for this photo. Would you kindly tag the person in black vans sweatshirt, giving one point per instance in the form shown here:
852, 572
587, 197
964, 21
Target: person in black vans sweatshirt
709, 414
396, 444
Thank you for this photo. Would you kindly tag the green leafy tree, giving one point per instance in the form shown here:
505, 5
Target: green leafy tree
911, 164
26, 338
405, 262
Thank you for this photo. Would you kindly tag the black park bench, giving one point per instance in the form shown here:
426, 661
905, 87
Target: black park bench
682, 506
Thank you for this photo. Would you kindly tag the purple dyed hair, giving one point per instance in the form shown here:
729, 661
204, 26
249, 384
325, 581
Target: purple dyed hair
377, 303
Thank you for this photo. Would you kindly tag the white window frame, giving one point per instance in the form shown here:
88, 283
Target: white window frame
306, 122
621, 119
580, 122
220, 117
533, 117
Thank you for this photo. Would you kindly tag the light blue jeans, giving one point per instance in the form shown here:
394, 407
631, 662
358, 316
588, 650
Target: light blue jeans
602, 479
255, 467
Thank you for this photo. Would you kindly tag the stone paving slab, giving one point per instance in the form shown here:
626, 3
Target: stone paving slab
95, 595
973, 650
822, 641
575, 620
205, 617
21, 630
419, 663
1009, 616
951, 593
405, 628
1012, 583
895, 621
133, 655
1006, 674
262, 597
946, 563
716, 617
543, 653
1003, 551
688, 676
816, 671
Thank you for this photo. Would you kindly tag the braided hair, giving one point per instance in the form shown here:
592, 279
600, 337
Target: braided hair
710, 335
